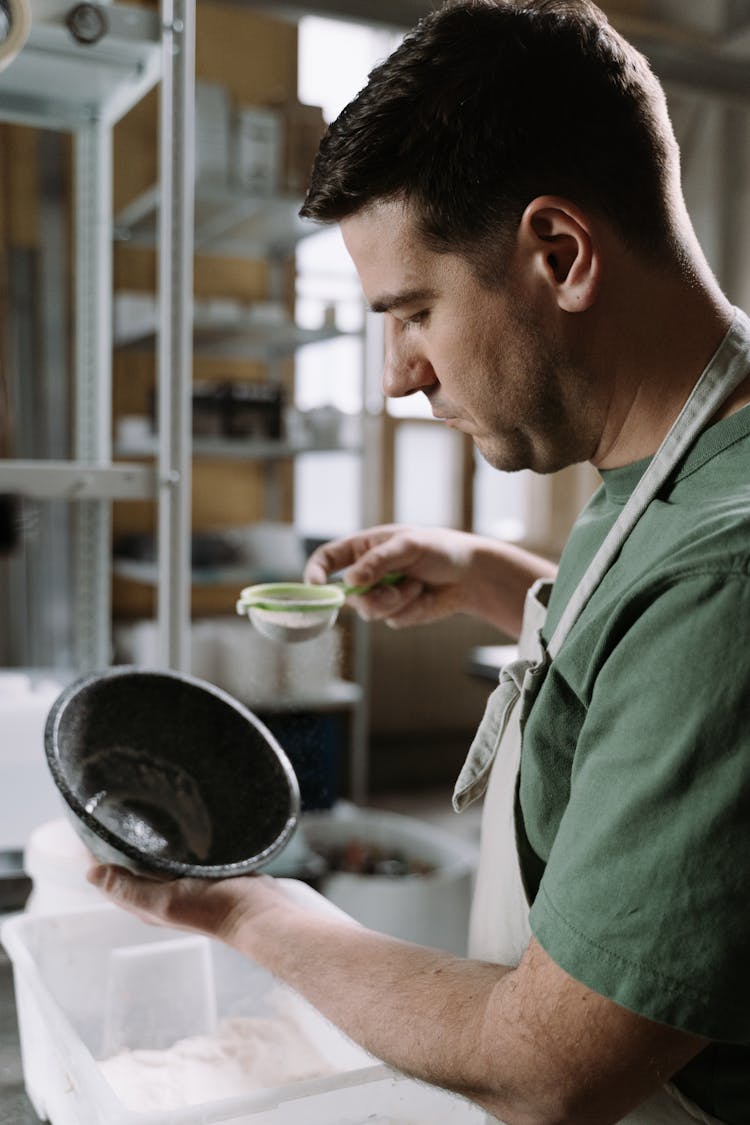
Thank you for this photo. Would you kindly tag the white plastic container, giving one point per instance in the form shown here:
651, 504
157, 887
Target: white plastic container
74, 978
431, 909
28, 796
228, 652
56, 861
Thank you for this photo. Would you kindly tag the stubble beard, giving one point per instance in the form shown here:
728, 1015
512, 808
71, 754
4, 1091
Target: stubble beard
553, 405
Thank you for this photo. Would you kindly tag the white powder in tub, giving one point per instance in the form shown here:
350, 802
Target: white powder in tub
244, 1054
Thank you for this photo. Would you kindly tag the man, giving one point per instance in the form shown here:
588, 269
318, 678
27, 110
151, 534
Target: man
508, 187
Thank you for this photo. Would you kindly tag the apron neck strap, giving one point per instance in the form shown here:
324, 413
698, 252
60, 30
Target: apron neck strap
726, 370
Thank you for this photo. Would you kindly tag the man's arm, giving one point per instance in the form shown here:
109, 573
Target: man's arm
531, 1045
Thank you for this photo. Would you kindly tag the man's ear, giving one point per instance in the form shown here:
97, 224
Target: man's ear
562, 251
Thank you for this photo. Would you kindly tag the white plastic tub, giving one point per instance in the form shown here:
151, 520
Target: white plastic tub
73, 978
430, 909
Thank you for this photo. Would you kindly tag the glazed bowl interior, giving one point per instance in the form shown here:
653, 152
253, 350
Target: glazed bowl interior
166, 774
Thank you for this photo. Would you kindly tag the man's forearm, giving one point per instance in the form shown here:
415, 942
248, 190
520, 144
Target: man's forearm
530, 1045
502, 573
422, 1011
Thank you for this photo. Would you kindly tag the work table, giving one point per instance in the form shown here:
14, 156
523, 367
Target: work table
487, 661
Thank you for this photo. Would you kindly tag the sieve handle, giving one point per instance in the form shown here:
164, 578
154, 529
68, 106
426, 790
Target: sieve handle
386, 580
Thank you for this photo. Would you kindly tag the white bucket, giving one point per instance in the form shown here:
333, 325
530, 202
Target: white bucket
28, 796
430, 909
56, 862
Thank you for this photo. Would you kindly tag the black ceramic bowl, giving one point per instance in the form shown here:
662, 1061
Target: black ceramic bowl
168, 775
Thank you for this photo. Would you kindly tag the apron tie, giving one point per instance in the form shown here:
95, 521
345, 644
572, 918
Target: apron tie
472, 780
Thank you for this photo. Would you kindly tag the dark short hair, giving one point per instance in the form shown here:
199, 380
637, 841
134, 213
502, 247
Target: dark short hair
488, 104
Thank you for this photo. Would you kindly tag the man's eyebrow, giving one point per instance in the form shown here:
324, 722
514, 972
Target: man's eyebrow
390, 301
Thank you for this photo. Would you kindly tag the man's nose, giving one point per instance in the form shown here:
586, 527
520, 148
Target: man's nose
406, 370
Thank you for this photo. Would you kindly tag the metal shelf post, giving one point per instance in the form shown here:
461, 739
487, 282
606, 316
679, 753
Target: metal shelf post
93, 385
174, 354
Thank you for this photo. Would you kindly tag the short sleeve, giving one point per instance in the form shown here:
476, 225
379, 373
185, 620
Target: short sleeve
646, 892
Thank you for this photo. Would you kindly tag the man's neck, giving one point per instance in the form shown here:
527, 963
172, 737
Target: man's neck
669, 332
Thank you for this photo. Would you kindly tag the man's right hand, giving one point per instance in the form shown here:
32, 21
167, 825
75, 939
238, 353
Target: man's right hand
445, 572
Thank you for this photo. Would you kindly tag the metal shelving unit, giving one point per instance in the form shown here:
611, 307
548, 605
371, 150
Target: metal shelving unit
61, 83
231, 224
58, 83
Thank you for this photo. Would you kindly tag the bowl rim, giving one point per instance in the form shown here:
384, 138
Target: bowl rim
143, 860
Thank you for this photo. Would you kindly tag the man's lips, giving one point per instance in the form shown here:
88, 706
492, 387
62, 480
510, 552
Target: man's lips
445, 414
449, 420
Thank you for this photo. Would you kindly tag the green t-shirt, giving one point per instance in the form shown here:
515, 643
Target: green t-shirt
633, 810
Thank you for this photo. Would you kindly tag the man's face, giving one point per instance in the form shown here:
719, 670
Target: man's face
493, 363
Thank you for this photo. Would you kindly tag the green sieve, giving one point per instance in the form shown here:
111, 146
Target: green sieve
298, 611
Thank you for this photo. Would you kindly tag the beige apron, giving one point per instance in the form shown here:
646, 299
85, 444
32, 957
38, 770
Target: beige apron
499, 928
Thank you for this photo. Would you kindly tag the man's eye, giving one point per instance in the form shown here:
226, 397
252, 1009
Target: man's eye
416, 319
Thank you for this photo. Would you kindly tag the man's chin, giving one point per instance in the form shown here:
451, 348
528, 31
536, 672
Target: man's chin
501, 457
513, 457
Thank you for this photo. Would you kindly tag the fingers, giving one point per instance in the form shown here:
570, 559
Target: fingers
431, 605
326, 560
111, 881
215, 907
385, 602
332, 557
145, 897
433, 564
352, 552
409, 603
191, 904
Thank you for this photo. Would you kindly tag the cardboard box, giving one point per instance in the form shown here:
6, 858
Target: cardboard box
304, 126
212, 133
256, 151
